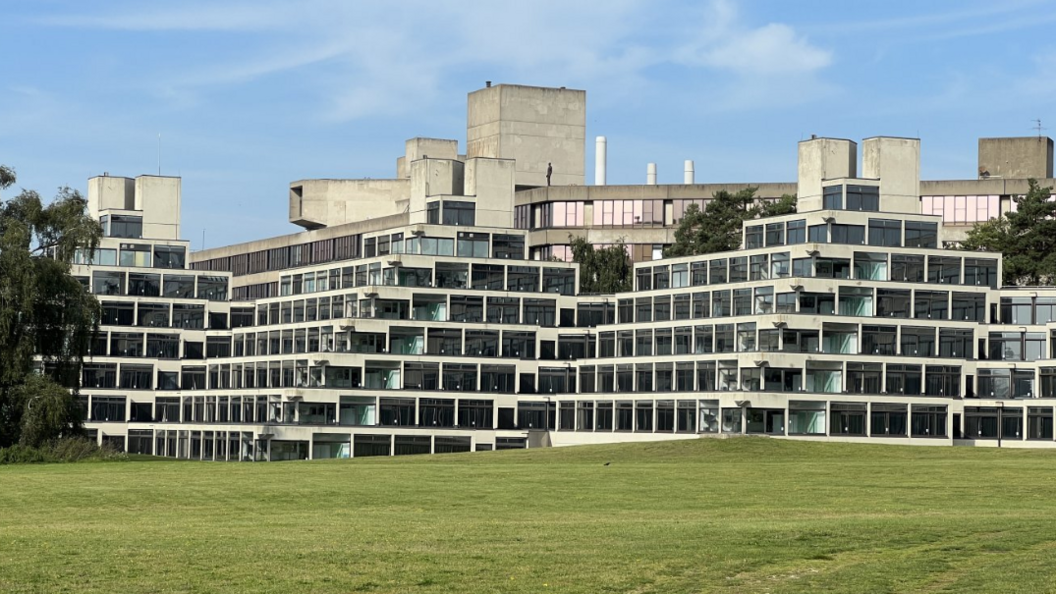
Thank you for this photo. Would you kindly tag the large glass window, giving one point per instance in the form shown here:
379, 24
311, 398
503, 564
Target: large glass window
178, 286
134, 254
864, 198
885, 232
170, 256
848, 234
472, 245
458, 212
124, 226
108, 283
924, 235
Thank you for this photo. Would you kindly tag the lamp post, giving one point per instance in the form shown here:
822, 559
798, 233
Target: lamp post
1000, 421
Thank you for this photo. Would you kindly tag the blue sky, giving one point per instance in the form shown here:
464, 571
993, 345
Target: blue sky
248, 96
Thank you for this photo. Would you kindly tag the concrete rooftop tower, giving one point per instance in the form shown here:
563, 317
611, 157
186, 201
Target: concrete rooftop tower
532, 125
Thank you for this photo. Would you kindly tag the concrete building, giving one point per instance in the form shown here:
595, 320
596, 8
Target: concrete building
434, 312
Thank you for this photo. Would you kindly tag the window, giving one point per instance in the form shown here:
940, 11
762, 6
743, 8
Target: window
870, 266
472, 245
980, 272
924, 235
178, 286
124, 226
848, 234
797, 232
117, 313
559, 280
758, 268
956, 343
889, 420
432, 213
907, 268
969, 307
878, 340
918, 341
510, 247
903, 379
775, 234
144, 285
942, 380
738, 269
864, 198
212, 288
133, 254
884, 232
153, 315
753, 237
718, 271
108, 283
680, 276
457, 212
932, 305
488, 277
944, 269
779, 265
832, 198
818, 234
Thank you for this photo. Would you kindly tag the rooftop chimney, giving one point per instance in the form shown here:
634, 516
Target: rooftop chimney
600, 155
650, 174
688, 176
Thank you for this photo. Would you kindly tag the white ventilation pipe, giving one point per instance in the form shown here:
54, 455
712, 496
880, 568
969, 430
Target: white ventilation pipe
599, 161
650, 174
689, 172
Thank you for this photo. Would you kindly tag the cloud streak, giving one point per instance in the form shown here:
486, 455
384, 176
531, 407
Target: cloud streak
386, 60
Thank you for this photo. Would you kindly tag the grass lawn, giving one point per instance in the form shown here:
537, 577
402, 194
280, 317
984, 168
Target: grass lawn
738, 515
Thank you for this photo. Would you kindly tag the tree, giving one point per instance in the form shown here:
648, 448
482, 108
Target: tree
717, 228
602, 270
45, 313
1026, 238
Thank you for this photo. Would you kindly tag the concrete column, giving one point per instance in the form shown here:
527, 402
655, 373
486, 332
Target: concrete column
688, 176
650, 174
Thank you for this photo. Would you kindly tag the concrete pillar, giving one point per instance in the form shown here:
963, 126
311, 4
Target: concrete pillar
688, 176
650, 174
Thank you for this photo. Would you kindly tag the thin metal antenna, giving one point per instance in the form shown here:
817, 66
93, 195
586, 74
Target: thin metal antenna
159, 154
203, 238
1037, 126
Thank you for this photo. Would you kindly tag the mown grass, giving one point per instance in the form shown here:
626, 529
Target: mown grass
739, 515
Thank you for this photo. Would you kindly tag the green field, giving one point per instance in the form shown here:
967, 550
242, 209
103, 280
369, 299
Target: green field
738, 515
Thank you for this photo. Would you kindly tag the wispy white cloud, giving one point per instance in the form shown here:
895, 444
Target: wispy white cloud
377, 60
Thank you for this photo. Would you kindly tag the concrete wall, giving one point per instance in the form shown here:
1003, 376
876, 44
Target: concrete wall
159, 199
823, 159
434, 148
532, 125
108, 192
317, 203
491, 181
896, 163
433, 177
1016, 158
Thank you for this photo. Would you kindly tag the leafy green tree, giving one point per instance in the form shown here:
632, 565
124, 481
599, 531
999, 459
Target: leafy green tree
1026, 238
717, 228
602, 270
47, 411
45, 313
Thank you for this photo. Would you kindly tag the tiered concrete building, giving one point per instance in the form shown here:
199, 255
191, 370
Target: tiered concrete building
435, 312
